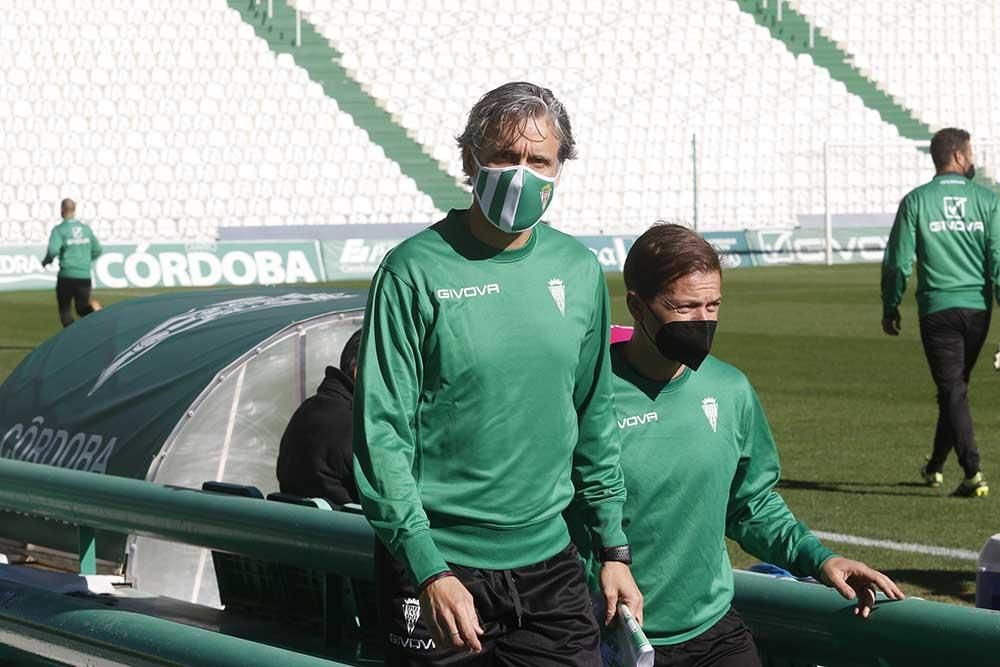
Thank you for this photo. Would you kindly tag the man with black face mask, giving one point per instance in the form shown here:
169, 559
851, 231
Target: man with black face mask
952, 227
700, 463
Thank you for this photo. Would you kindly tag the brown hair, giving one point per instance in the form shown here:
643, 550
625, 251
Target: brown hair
945, 143
664, 253
507, 110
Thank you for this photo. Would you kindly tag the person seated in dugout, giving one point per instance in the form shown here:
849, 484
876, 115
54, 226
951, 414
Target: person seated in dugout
315, 458
700, 464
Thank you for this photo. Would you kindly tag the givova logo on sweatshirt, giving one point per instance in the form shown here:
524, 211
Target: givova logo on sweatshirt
78, 237
957, 226
954, 214
638, 420
467, 292
954, 207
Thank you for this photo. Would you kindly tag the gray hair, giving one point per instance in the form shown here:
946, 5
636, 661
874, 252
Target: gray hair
514, 105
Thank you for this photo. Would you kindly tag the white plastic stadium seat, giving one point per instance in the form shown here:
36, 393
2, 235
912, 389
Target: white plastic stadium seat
907, 46
637, 89
154, 100
193, 103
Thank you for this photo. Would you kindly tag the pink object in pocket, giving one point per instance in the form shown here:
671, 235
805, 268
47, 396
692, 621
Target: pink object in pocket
620, 334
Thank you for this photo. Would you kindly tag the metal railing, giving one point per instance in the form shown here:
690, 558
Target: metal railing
807, 623
797, 621
335, 542
59, 629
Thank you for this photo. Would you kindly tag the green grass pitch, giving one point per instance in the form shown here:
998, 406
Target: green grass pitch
852, 411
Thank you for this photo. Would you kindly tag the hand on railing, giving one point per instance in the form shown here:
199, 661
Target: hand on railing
854, 579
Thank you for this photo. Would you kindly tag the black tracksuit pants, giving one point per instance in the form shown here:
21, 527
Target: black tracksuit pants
728, 643
952, 340
534, 616
69, 290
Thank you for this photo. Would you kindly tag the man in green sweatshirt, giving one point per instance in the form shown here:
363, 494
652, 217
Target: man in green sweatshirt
76, 247
700, 463
483, 407
952, 226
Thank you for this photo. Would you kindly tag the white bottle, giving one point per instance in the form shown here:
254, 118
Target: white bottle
988, 575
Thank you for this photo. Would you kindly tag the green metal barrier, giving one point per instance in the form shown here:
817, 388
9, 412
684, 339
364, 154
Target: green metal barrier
794, 623
791, 619
60, 629
336, 542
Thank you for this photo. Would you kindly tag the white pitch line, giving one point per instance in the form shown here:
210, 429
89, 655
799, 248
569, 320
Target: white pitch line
891, 545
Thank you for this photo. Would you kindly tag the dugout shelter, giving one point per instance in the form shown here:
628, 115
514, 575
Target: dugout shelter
177, 388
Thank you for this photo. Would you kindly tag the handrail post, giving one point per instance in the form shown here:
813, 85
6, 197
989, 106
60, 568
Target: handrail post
827, 217
88, 550
694, 178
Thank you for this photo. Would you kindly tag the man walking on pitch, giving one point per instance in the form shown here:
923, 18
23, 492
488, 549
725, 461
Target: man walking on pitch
701, 464
952, 226
483, 407
76, 247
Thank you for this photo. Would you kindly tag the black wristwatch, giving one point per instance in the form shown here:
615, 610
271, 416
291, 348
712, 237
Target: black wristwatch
622, 554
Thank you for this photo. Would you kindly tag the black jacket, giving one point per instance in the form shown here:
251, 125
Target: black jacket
315, 458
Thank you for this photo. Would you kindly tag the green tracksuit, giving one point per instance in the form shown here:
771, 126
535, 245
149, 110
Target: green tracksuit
952, 226
484, 398
700, 465
76, 247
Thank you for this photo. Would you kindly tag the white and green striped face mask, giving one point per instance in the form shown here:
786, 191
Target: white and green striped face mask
513, 198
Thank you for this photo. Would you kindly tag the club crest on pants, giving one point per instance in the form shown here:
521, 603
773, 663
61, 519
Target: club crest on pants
411, 613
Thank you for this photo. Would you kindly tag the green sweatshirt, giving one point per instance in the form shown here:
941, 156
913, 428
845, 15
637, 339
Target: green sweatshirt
952, 226
700, 465
76, 247
483, 403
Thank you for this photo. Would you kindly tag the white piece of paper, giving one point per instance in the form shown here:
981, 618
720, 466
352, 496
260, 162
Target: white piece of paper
623, 643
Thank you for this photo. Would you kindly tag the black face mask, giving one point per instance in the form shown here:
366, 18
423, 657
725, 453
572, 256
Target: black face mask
685, 341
